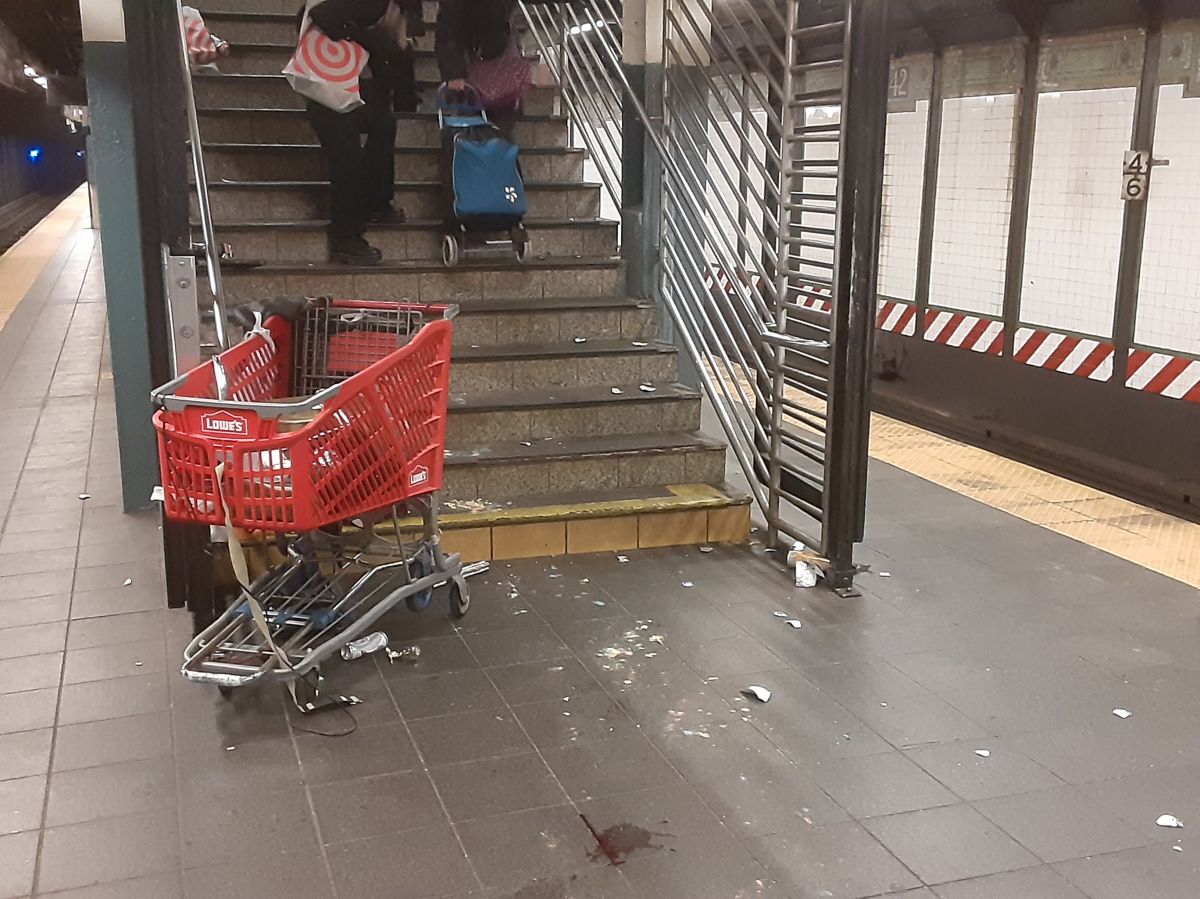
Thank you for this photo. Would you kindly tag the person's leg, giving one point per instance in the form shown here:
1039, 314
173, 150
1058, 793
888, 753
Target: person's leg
379, 156
339, 137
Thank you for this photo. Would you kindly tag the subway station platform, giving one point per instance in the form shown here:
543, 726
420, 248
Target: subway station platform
582, 733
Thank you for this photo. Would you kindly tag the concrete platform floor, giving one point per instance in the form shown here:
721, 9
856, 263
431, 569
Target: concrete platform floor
582, 734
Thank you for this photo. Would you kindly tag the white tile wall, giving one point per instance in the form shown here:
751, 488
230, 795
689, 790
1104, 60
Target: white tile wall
974, 202
903, 181
1168, 314
1073, 239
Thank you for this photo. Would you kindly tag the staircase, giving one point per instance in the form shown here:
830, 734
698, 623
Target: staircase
568, 430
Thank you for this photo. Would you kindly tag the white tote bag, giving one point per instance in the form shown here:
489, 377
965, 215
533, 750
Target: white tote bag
326, 70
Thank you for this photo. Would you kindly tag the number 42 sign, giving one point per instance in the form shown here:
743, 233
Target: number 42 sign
1135, 174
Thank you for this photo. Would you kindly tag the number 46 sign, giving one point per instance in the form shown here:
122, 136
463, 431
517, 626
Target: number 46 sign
1135, 174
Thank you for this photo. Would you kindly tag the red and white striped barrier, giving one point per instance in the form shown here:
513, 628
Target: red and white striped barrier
1084, 357
971, 332
896, 317
1162, 373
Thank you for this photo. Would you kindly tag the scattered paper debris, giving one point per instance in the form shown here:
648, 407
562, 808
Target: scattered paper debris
779, 614
622, 559
696, 733
230, 748
706, 549
128, 582
1177, 848
647, 388
983, 753
85, 496
411, 653
1123, 713
640, 343
1168, 821
885, 574
806, 575
157, 495
655, 638
883, 705
526, 443
616, 391
762, 694
581, 340
688, 584
794, 622
566, 714
599, 602
138, 664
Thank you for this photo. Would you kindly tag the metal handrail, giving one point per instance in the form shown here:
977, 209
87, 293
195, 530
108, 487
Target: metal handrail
747, 225
212, 251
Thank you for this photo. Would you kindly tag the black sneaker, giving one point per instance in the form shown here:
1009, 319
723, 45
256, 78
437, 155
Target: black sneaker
388, 215
353, 251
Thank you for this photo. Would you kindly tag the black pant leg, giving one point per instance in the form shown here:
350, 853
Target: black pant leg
379, 156
339, 137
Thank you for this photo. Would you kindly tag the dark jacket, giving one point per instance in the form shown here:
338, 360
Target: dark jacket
473, 28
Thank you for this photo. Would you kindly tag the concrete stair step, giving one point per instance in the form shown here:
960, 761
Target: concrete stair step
250, 201
554, 319
306, 161
269, 59
547, 415
216, 8
508, 470
424, 282
414, 129
593, 520
274, 92
279, 26
420, 239
606, 364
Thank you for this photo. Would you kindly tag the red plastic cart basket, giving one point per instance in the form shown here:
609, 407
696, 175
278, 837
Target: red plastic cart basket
373, 438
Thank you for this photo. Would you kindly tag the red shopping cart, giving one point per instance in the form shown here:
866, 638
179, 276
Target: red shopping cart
330, 431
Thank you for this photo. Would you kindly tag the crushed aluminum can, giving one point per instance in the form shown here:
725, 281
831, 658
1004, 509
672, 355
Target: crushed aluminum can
356, 649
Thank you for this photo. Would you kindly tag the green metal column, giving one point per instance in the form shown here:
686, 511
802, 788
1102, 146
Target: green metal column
114, 167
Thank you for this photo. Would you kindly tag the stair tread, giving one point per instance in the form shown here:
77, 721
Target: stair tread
226, 184
579, 504
418, 266
414, 225
559, 448
548, 304
497, 400
290, 112
559, 349
313, 147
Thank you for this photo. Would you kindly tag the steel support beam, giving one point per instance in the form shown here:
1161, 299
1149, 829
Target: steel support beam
1022, 176
864, 120
1133, 231
933, 151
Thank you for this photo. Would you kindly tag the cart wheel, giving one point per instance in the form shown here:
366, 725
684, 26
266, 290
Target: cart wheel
450, 250
421, 566
460, 597
522, 244
226, 692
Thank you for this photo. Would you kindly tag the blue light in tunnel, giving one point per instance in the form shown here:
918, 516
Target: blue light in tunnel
34, 154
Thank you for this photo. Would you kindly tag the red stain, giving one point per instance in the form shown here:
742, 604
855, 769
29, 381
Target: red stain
615, 844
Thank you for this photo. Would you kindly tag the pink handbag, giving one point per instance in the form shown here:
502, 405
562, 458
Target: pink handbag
503, 81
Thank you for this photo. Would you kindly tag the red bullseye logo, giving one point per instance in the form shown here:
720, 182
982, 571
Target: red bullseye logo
336, 62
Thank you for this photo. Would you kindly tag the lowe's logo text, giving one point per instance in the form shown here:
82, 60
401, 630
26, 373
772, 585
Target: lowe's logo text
419, 475
225, 423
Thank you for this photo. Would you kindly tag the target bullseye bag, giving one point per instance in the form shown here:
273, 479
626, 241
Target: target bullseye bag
326, 70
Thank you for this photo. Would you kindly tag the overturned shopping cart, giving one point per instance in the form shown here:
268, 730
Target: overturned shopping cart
325, 431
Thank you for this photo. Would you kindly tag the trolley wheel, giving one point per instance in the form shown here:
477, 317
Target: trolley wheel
460, 597
226, 692
451, 251
420, 566
522, 245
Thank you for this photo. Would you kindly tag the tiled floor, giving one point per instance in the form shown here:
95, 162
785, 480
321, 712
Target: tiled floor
948, 735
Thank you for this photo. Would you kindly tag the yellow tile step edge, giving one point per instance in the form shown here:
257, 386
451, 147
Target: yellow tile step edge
689, 514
